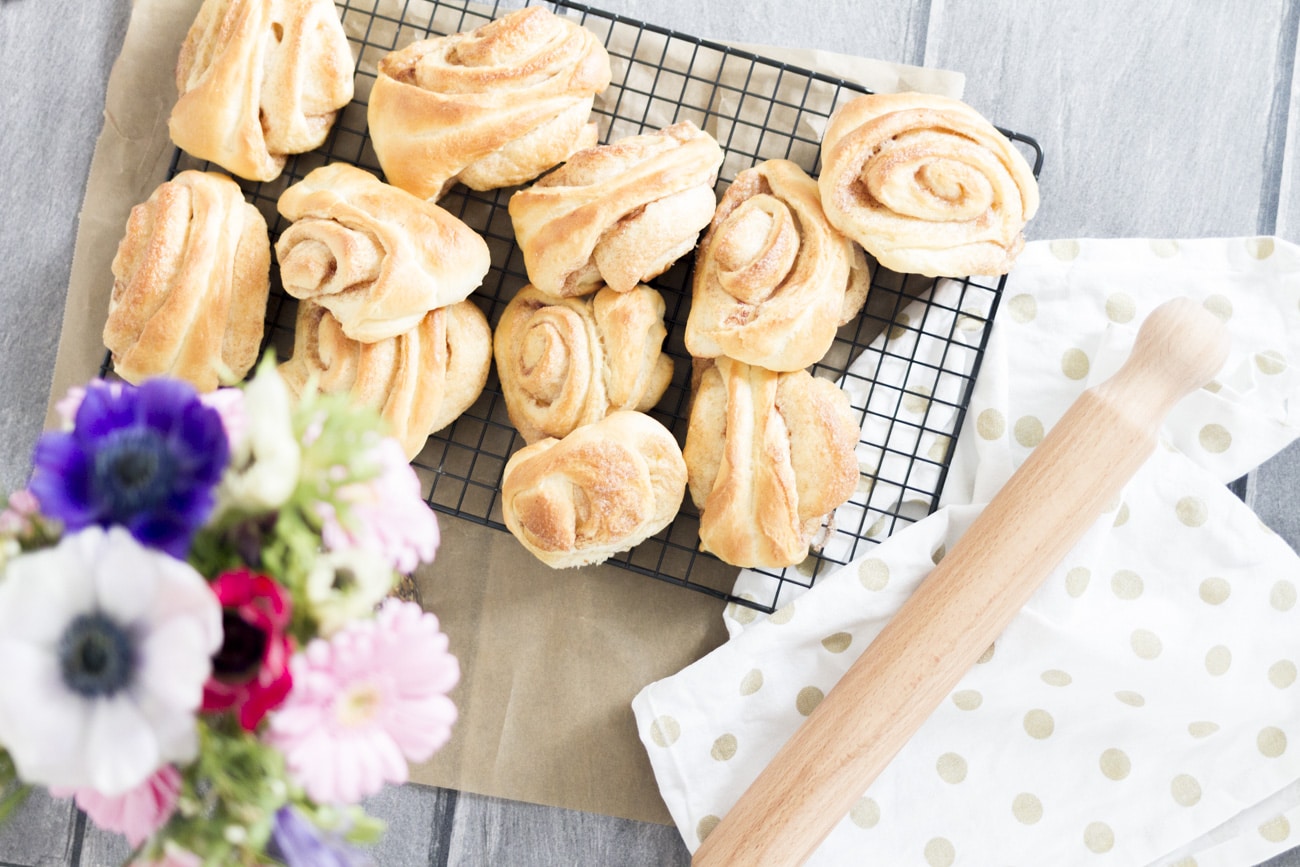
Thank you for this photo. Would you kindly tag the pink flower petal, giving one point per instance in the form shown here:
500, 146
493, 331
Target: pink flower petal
137, 813
349, 727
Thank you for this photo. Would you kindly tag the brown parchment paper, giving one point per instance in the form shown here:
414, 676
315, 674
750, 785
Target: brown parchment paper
550, 659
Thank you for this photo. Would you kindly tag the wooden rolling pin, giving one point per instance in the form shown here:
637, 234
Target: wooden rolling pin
970, 597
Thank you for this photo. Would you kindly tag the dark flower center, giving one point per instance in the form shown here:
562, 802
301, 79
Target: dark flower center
344, 579
134, 470
97, 657
242, 646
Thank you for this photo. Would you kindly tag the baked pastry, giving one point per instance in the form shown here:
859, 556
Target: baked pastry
619, 214
773, 278
603, 489
926, 185
191, 279
376, 257
491, 107
420, 381
566, 362
769, 455
259, 80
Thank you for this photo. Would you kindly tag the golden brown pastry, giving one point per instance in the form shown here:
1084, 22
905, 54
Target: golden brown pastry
770, 455
491, 107
192, 275
926, 185
619, 214
258, 80
773, 278
566, 362
603, 489
376, 257
420, 381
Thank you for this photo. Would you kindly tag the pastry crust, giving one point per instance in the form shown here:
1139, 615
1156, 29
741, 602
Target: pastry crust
769, 456
566, 362
773, 278
191, 280
259, 80
601, 490
492, 107
618, 214
926, 185
376, 257
420, 381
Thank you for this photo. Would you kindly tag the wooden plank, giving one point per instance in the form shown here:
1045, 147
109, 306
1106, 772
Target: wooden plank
1156, 121
890, 30
493, 831
100, 848
49, 129
1287, 139
419, 824
42, 832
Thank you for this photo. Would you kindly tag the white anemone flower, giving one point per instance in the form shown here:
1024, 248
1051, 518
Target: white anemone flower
346, 585
106, 647
265, 457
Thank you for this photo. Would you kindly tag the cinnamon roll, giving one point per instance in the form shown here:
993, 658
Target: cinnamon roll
492, 107
376, 257
259, 80
603, 489
773, 278
618, 214
769, 456
191, 280
420, 381
566, 362
926, 185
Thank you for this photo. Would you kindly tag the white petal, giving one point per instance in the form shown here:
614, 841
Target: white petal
184, 594
177, 736
175, 662
42, 592
126, 577
276, 455
121, 751
42, 723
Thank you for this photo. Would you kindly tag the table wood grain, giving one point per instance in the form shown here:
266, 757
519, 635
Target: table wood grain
1159, 119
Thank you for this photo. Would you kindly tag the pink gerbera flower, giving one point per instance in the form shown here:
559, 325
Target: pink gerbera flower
137, 812
365, 702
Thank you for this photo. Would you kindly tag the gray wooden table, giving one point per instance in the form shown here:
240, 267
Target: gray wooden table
1160, 119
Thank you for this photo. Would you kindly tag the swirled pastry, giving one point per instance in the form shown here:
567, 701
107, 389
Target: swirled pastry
258, 80
926, 185
376, 257
491, 107
566, 362
773, 278
604, 488
769, 455
420, 381
191, 279
619, 214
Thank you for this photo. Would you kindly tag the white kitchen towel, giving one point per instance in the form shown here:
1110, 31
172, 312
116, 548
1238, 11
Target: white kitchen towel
1143, 708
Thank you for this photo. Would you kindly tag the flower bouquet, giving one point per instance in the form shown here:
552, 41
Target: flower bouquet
196, 627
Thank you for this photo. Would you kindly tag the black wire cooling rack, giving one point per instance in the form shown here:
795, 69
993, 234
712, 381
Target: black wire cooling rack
757, 109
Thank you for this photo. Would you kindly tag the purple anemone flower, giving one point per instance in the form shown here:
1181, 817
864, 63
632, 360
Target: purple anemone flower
145, 457
299, 843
